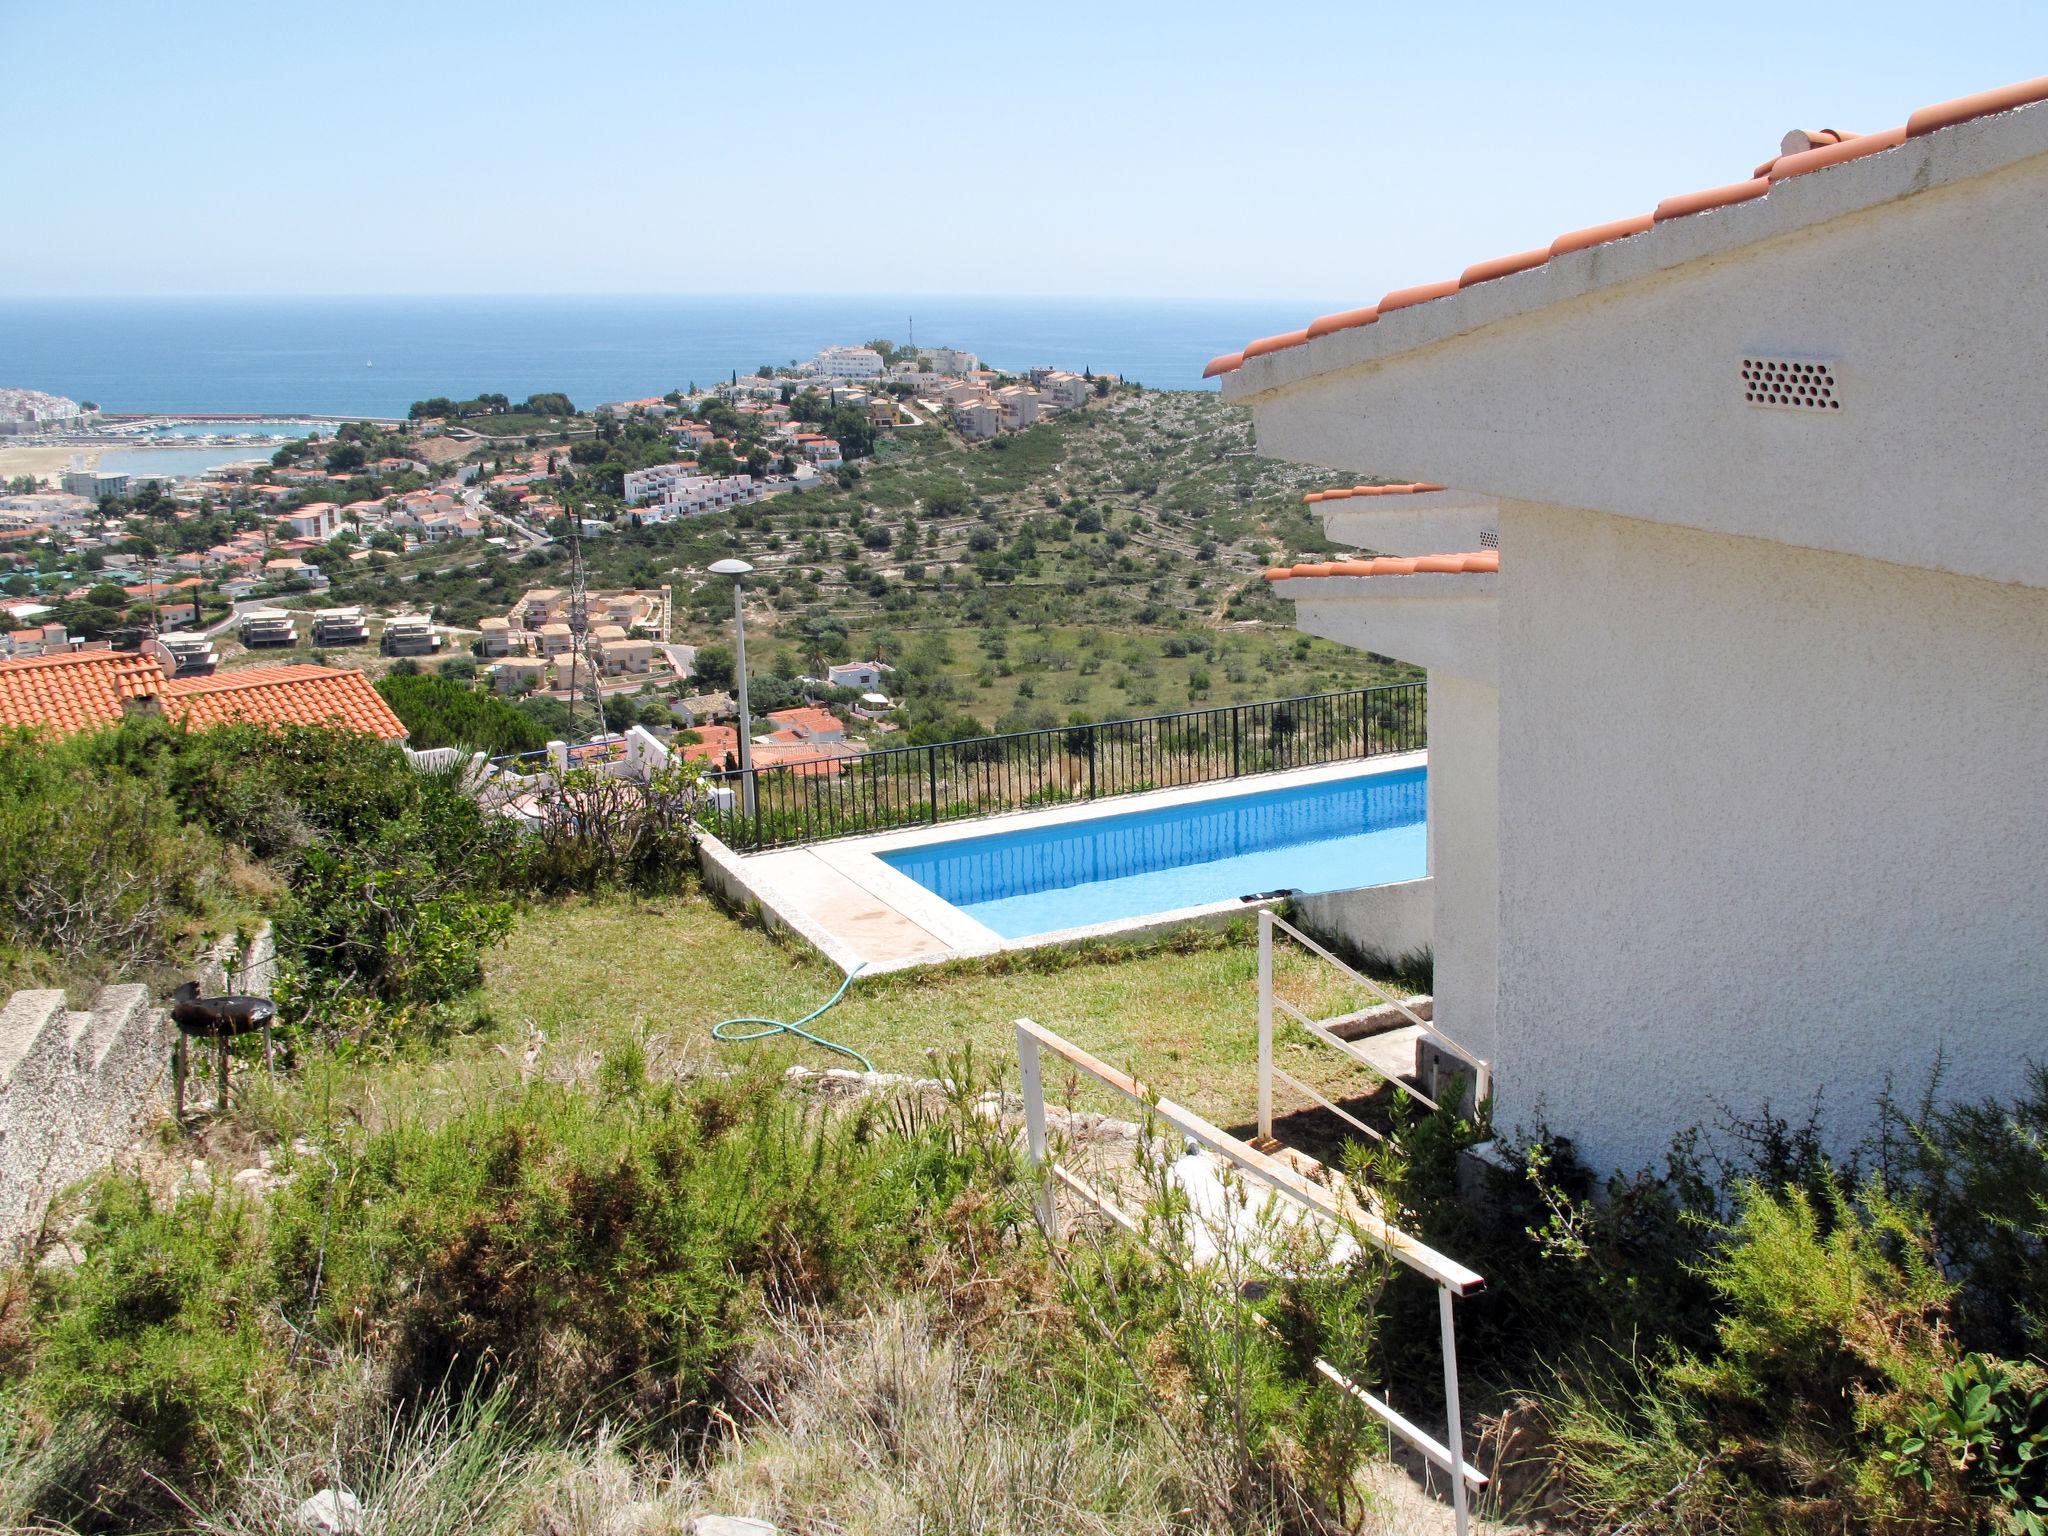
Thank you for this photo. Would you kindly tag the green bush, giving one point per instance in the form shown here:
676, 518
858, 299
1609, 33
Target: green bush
96, 870
157, 1335
630, 1232
439, 711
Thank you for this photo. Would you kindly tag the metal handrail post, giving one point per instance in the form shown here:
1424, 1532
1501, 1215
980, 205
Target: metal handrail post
1265, 1025
1031, 1082
1454, 1424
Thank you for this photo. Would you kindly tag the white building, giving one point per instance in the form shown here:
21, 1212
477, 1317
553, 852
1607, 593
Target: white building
268, 626
315, 520
978, 417
1066, 389
92, 484
848, 363
1737, 729
1019, 405
857, 674
949, 360
692, 495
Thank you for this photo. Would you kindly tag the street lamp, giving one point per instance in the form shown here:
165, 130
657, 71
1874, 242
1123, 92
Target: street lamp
737, 569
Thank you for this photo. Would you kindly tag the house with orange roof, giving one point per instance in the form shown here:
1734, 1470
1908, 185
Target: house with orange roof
299, 694
90, 690
1727, 556
809, 723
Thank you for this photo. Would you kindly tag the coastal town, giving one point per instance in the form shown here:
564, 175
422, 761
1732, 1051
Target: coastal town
238, 564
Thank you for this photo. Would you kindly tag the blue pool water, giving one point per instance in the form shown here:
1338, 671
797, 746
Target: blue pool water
1366, 830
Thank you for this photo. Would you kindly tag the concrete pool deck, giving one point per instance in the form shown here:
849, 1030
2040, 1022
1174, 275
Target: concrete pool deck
854, 909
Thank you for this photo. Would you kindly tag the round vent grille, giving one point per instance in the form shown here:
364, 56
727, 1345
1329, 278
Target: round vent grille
1791, 384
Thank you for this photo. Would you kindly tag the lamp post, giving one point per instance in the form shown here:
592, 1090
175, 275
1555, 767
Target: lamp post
738, 569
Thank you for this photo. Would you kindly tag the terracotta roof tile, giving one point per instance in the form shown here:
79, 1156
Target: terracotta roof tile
1344, 320
78, 692
1804, 151
1278, 343
1476, 563
1601, 234
1714, 197
1822, 156
1947, 114
1341, 492
288, 695
1422, 293
1502, 266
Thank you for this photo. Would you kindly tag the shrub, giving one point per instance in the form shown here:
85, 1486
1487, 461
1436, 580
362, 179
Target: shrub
95, 867
439, 711
627, 1233
157, 1334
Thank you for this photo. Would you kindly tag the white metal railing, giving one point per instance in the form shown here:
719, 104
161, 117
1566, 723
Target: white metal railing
436, 759
1270, 1000
1338, 1207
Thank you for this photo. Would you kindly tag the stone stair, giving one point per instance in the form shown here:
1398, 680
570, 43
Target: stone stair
76, 1084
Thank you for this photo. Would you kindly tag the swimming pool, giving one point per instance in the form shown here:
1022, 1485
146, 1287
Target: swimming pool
1367, 829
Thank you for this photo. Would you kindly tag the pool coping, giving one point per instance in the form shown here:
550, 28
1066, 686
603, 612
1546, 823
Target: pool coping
774, 879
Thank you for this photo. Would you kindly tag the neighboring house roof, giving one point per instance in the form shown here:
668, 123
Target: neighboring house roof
289, 695
78, 692
1479, 562
1827, 148
807, 720
717, 741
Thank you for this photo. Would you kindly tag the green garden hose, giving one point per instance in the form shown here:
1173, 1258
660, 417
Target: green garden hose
778, 1027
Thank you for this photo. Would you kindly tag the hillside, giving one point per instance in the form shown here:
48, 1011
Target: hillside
1101, 564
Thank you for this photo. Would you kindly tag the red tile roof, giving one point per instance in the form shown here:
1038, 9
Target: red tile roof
1478, 562
78, 692
807, 720
288, 695
1342, 492
1823, 148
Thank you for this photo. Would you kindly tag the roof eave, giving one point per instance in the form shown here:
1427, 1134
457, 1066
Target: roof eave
1945, 157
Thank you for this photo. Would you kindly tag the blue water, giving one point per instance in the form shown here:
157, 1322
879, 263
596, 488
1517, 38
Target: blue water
1366, 830
375, 356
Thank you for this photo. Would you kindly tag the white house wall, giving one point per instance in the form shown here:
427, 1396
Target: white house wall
1611, 378
1446, 621
1464, 814
1424, 523
1773, 819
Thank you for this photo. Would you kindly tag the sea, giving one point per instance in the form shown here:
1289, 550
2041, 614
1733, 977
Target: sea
375, 356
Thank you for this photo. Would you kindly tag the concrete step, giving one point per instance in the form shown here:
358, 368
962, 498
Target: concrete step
1242, 1216
117, 1009
31, 1025
1392, 1052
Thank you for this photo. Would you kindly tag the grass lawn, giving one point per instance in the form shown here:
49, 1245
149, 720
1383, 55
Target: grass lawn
589, 973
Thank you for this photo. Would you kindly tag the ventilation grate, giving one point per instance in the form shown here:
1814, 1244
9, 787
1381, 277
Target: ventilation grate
1791, 384
1489, 540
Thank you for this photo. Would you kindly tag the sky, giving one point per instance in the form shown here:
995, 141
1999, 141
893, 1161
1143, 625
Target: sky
1114, 148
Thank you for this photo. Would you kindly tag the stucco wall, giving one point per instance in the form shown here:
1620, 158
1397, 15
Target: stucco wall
1442, 622
1464, 815
1773, 819
1390, 920
1425, 523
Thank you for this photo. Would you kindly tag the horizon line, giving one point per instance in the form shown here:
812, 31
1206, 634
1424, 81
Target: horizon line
558, 294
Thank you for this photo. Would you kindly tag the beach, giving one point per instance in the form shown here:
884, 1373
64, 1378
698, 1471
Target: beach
42, 462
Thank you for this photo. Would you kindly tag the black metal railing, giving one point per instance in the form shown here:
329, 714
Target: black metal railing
802, 802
